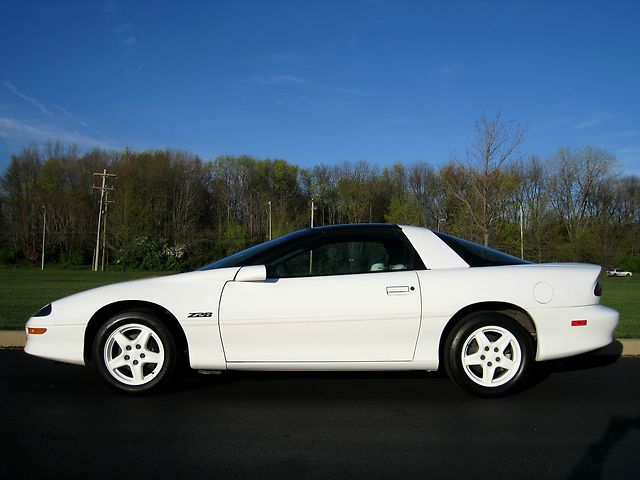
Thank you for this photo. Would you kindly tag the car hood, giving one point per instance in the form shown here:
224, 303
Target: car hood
193, 291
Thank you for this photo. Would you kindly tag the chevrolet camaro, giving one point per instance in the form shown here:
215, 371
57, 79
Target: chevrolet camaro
342, 297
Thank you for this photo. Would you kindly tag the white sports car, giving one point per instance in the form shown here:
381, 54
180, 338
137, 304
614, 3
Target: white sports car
343, 297
618, 272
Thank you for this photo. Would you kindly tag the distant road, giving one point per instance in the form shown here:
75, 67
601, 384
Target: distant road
581, 420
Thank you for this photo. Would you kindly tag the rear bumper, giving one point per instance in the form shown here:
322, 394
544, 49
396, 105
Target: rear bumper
557, 338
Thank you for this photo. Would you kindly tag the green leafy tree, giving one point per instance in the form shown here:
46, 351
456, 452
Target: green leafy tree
404, 210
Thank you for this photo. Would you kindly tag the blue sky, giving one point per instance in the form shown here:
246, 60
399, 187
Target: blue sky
320, 82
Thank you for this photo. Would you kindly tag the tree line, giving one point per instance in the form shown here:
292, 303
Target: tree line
173, 210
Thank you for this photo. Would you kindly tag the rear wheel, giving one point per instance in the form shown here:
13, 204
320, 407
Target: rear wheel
135, 353
488, 354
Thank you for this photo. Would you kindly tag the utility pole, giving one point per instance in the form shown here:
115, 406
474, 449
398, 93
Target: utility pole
521, 232
44, 229
312, 209
102, 189
104, 228
270, 220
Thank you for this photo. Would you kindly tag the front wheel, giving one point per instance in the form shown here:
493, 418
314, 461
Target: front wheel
488, 354
135, 353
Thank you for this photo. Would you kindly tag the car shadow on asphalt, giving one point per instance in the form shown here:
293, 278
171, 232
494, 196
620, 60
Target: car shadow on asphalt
600, 358
541, 371
196, 381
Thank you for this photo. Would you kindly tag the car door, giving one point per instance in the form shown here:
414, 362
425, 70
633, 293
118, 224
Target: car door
342, 298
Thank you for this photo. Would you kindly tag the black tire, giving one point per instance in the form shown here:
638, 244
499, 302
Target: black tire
119, 339
473, 363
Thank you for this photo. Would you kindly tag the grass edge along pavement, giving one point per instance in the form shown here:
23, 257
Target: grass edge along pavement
25, 290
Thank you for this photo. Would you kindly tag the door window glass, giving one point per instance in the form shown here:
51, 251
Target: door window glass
341, 256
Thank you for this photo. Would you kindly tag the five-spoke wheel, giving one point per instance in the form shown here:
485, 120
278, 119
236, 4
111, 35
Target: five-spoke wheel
135, 352
488, 354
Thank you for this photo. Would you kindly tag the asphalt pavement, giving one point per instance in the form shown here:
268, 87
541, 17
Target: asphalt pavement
580, 419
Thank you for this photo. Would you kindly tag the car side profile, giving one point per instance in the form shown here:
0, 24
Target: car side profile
342, 297
618, 272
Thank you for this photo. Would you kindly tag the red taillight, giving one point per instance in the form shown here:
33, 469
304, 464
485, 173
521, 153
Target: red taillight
578, 323
598, 290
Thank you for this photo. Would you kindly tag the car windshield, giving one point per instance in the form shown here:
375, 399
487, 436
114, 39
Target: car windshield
477, 255
247, 256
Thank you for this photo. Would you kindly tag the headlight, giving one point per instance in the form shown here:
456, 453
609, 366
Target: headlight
44, 311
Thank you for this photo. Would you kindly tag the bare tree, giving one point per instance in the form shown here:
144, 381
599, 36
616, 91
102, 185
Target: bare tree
577, 176
481, 180
534, 196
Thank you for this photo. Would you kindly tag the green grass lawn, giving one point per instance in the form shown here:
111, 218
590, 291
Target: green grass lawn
24, 290
623, 294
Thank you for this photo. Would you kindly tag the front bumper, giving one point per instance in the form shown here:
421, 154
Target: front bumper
63, 343
557, 338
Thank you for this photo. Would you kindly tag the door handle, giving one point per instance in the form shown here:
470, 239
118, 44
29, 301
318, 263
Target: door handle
398, 290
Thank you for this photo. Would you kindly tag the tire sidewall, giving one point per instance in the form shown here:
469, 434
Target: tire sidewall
458, 338
162, 378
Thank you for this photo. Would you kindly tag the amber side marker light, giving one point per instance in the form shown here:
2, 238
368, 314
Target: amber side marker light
36, 331
578, 323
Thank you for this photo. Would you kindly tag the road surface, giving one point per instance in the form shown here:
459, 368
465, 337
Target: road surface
581, 419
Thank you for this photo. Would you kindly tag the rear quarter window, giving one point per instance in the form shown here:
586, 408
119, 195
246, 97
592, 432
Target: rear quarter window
477, 255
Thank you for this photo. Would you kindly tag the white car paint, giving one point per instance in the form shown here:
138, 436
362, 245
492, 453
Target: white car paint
353, 318
179, 294
364, 321
446, 292
435, 254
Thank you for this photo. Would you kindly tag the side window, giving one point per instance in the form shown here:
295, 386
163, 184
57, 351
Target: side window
343, 255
